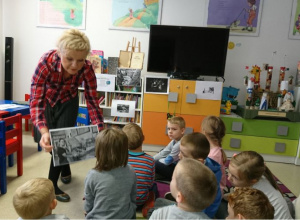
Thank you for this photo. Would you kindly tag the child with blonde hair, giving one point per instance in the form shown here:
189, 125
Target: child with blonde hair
189, 180
35, 199
110, 187
167, 158
143, 165
214, 129
248, 169
249, 203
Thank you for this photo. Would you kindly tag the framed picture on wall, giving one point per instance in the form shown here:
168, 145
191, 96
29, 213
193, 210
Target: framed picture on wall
135, 15
61, 14
294, 32
157, 84
241, 16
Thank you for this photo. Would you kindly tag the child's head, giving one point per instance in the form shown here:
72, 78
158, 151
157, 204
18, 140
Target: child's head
111, 149
194, 146
134, 134
35, 199
193, 185
246, 168
176, 128
249, 203
214, 129
73, 39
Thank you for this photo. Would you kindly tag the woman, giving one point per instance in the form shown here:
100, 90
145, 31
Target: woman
54, 95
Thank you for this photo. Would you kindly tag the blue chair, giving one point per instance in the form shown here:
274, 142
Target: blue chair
10, 142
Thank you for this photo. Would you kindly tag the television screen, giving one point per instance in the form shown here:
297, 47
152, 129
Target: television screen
188, 52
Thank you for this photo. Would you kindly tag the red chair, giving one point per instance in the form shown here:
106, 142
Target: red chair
26, 117
10, 142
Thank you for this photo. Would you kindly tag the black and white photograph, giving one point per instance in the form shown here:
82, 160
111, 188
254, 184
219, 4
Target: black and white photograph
123, 108
73, 144
128, 77
209, 90
157, 85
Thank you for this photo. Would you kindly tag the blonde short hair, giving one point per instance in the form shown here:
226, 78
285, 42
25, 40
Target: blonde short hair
250, 203
178, 120
111, 149
73, 39
135, 135
196, 182
32, 199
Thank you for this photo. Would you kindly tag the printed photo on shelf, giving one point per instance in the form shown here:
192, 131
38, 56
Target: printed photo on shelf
243, 17
157, 85
57, 14
105, 82
123, 108
73, 144
294, 32
128, 77
135, 15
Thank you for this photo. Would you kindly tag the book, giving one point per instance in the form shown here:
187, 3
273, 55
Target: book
137, 60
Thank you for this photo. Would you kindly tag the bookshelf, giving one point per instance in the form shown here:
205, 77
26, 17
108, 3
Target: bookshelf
105, 98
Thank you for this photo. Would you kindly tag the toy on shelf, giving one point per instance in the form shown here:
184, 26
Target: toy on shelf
257, 104
256, 72
281, 76
226, 109
287, 102
249, 93
230, 94
269, 78
264, 102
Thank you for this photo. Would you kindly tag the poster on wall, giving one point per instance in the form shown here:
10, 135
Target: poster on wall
241, 16
209, 90
294, 32
135, 15
61, 13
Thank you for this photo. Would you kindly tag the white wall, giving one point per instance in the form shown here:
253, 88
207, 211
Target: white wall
19, 22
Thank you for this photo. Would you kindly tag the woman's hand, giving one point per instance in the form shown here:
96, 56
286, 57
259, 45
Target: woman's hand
45, 140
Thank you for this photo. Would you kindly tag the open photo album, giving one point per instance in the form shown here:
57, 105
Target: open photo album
73, 144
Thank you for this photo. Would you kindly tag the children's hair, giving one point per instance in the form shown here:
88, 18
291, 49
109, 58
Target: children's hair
32, 199
111, 149
177, 120
251, 166
73, 39
250, 203
134, 134
196, 182
197, 143
252, 2
215, 129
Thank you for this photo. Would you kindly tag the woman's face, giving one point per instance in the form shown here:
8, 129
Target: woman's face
62, 143
72, 60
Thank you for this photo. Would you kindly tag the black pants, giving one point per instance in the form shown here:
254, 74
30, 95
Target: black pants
61, 115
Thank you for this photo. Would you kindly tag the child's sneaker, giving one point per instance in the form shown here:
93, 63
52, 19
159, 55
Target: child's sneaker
149, 204
169, 196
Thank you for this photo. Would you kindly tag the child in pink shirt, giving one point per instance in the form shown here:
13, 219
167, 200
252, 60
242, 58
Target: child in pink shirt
214, 129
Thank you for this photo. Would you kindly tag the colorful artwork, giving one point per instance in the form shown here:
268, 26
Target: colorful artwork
241, 16
295, 21
62, 13
135, 15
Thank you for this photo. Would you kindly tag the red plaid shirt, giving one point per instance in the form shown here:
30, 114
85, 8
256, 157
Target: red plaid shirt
48, 84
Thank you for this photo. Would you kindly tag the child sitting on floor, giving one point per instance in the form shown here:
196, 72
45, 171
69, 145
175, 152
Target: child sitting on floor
196, 146
110, 188
248, 169
35, 199
189, 179
142, 163
214, 129
166, 159
249, 203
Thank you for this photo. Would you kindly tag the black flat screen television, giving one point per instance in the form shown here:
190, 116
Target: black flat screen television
187, 52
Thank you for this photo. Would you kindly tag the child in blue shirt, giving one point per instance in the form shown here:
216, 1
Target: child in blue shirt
166, 159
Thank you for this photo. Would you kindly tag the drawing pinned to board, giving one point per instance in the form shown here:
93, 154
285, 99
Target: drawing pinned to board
241, 16
294, 32
209, 90
135, 15
61, 14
